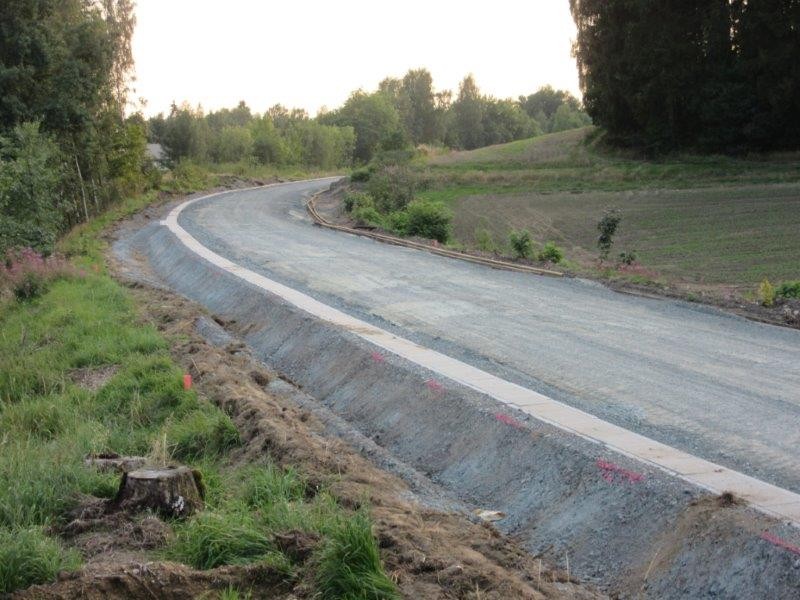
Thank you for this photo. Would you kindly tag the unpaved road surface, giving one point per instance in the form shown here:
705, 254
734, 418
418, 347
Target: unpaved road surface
711, 384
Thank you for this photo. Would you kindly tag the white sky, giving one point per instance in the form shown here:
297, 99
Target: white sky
313, 53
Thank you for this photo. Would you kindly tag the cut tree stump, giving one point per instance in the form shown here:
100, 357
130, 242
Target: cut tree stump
114, 462
170, 491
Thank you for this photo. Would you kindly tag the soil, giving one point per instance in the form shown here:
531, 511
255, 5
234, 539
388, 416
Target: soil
430, 553
785, 312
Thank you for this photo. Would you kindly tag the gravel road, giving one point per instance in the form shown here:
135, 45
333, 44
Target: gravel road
712, 384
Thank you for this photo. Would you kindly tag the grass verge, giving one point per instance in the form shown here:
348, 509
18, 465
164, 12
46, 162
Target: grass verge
50, 420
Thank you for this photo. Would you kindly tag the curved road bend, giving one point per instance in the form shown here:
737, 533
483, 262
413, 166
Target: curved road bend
713, 385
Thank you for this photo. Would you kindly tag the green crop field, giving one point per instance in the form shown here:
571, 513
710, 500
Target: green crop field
715, 221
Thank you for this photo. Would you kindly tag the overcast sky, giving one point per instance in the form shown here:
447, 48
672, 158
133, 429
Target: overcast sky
313, 53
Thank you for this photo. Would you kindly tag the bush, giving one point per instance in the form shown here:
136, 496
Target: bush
521, 243
350, 565
354, 200
627, 258
607, 226
397, 222
392, 187
766, 293
788, 289
360, 175
367, 215
551, 253
205, 433
429, 220
28, 557
27, 274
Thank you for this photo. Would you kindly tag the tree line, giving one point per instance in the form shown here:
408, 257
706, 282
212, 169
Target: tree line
710, 75
403, 112
67, 149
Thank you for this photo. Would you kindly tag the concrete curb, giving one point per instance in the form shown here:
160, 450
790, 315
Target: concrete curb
389, 239
764, 497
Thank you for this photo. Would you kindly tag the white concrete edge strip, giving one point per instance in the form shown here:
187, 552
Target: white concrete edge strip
767, 498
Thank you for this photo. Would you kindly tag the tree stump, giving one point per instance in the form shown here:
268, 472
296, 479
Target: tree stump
114, 462
170, 491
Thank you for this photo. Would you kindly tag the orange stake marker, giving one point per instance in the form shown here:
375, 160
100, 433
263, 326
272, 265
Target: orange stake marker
187, 381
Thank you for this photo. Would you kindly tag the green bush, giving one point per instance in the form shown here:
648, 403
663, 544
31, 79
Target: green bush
766, 293
521, 243
350, 565
551, 253
788, 289
368, 215
205, 433
392, 187
360, 175
397, 222
627, 258
429, 220
354, 200
29, 557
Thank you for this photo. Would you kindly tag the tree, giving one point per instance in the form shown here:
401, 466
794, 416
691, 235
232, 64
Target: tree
30, 176
714, 75
374, 120
468, 110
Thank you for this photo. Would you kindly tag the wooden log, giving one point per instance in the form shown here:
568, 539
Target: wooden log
170, 491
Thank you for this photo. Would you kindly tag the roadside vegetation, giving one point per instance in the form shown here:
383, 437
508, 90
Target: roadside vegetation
64, 324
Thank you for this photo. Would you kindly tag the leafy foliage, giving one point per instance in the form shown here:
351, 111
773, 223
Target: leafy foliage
521, 243
711, 75
429, 220
607, 226
788, 289
766, 293
551, 253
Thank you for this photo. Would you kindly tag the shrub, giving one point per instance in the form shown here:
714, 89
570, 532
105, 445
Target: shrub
551, 253
788, 289
607, 228
205, 433
429, 220
392, 188
209, 540
360, 175
28, 557
397, 222
350, 565
627, 258
27, 274
367, 215
521, 243
353, 200
766, 293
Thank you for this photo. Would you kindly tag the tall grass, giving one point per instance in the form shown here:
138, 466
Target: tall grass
350, 565
28, 557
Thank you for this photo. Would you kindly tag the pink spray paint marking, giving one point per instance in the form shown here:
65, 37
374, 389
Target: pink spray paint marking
611, 472
378, 357
434, 386
511, 421
776, 541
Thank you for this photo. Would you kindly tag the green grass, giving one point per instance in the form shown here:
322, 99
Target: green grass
350, 566
711, 221
28, 556
48, 424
